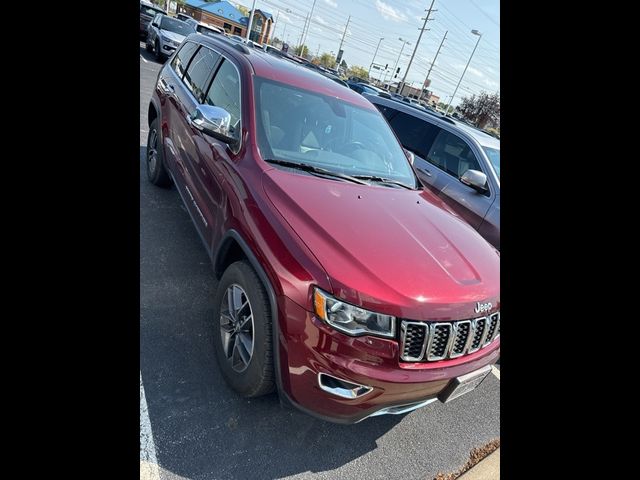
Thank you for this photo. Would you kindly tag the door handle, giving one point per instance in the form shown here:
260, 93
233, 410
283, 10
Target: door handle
166, 87
425, 171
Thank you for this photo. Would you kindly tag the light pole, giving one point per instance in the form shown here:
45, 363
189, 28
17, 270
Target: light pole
253, 10
275, 25
398, 60
374, 55
475, 32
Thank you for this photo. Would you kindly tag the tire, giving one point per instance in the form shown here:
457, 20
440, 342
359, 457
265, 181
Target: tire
159, 56
156, 171
253, 377
148, 46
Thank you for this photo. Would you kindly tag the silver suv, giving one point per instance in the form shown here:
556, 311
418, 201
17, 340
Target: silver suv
165, 34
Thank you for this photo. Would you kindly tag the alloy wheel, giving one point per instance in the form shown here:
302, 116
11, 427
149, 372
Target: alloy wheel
236, 327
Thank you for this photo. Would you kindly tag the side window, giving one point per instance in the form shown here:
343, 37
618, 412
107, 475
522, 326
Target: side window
388, 112
181, 60
200, 71
225, 93
414, 133
452, 154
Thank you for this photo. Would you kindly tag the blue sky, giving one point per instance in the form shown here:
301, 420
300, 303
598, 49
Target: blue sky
392, 19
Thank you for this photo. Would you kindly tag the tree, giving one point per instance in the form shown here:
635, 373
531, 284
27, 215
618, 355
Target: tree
327, 60
482, 109
358, 71
302, 51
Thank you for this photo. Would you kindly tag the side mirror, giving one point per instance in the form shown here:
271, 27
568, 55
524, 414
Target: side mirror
154, 24
410, 156
214, 121
475, 179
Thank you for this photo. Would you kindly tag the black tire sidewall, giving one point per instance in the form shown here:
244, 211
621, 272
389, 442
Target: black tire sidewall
159, 176
257, 379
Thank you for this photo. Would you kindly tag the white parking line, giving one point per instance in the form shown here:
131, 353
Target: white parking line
143, 59
148, 462
495, 371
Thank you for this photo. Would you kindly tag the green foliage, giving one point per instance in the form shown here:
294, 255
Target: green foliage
327, 60
301, 51
358, 71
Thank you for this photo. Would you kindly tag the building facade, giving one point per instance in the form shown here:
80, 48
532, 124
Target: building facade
226, 16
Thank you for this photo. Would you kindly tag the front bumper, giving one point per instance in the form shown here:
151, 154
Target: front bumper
308, 347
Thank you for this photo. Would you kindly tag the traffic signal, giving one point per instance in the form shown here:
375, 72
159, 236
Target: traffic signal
397, 71
386, 66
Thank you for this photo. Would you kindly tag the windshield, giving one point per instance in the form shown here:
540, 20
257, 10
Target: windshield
176, 26
152, 12
494, 158
306, 127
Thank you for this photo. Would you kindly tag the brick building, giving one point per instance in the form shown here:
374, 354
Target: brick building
225, 15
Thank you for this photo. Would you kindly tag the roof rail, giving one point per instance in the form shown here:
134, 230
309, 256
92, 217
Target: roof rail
242, 48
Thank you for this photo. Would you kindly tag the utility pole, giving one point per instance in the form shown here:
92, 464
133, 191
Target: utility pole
318, 51
424, 85
304, 36
398, 60
426, 19
374, 55
343, 35
253, 9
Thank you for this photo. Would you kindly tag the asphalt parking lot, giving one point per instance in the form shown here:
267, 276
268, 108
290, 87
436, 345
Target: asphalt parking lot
203, 430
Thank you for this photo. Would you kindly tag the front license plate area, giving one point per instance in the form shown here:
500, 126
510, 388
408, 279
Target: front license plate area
463, 384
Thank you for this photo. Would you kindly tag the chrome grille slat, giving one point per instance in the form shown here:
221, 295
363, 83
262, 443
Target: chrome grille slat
460, 338
433, 341
413, 339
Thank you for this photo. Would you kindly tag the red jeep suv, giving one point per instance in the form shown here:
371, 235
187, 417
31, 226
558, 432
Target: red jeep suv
344, 284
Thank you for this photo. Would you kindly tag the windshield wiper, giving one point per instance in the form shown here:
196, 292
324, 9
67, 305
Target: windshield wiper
374, 178
317, 170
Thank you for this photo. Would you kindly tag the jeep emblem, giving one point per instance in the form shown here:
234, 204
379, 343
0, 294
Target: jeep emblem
483, 307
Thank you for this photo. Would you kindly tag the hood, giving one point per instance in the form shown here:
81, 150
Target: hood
176, 37
393, 251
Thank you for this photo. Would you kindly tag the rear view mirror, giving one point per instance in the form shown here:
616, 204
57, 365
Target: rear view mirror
475, 179
214, 121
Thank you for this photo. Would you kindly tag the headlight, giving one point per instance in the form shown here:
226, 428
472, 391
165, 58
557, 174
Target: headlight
167, 40
350, 319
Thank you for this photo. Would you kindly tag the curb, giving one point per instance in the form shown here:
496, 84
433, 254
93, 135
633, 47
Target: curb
487, 469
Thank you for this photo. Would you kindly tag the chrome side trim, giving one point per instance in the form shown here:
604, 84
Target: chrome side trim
400, 409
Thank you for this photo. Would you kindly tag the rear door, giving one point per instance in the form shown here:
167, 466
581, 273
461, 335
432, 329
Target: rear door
189, 87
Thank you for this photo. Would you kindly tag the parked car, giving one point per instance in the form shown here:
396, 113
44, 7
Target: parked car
210, 30
459, 163
166, 34
184, 17
147, 12
342, 283
363, 88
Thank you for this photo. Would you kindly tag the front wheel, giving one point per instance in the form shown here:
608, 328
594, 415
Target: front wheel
158, 51
242, 331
